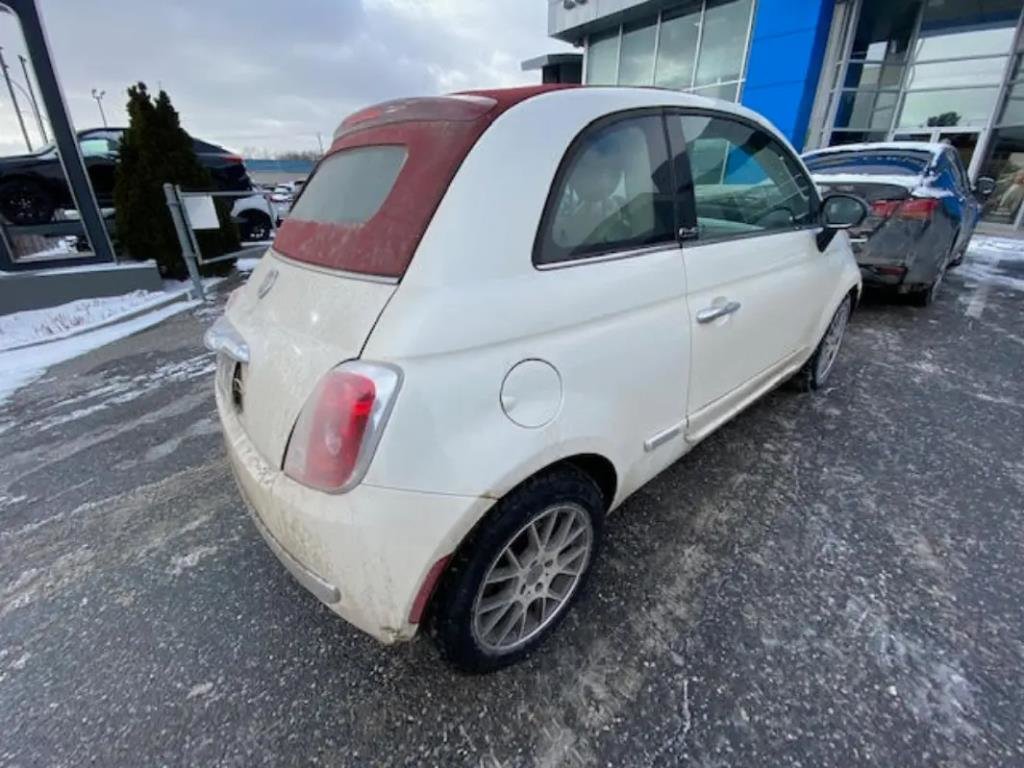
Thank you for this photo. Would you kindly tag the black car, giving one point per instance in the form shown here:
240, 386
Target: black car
923, 209
33, 186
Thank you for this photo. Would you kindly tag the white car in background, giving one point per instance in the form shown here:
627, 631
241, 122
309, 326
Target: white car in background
253, 215
493, 316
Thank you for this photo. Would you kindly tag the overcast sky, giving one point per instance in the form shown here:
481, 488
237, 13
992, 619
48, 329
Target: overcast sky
271, 73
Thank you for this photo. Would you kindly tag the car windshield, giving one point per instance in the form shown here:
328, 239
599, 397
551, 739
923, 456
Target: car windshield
870, 163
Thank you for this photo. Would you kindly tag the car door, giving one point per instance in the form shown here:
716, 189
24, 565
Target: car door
753, 269
969, 205
612, 275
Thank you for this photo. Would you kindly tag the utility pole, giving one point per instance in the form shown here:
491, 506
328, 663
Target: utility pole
98, 95
32, 98
320, 141
14, 100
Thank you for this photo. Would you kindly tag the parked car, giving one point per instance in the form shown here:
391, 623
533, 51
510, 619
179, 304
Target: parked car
450, 367
33, 186
254, 214
286, 192
923, 209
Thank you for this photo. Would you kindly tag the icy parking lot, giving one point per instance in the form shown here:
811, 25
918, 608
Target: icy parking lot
830, 580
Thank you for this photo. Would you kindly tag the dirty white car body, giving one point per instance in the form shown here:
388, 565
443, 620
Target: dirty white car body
496, 368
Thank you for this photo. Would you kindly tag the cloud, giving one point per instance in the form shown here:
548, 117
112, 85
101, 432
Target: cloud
273, 74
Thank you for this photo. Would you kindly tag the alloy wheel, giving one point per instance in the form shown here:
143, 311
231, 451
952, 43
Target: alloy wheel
533, 578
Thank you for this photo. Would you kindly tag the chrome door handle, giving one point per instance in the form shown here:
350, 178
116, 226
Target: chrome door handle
708, 314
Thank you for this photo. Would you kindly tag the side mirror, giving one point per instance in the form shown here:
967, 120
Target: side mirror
985, 186
839, 212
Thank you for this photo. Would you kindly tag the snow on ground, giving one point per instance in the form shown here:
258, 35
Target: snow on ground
23, 366
52, 323
247, 264
997, 261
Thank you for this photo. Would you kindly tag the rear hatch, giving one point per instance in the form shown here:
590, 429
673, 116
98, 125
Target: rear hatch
339, 256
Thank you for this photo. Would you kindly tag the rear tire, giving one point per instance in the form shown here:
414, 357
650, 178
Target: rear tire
818, 368
511, 585
255, 226
24, 202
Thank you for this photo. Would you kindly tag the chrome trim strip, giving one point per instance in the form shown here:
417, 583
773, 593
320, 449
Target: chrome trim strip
224, 338
663, 437
614, 256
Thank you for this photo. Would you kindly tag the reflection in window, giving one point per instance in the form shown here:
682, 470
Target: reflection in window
948, 108
955, 28
720, 27
950, 74
723, 45
602, 54
744, 181
616, 194
1013, 111
1006, 166
884, 29
866, 109
677, 47
636, 61
727, 92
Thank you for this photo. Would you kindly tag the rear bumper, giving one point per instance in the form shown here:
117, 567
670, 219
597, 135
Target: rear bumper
365, 553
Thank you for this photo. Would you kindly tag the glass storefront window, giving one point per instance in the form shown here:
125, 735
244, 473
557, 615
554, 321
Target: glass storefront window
856, 137
863, 75
636, 61
1013, 111
966, 106
950, 74
626, 55
957, 28
602, 58
884, 29
1006, 166
727, 92
677, 47
723, 44
866, 109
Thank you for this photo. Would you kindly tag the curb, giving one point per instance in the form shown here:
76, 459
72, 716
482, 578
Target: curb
131, 314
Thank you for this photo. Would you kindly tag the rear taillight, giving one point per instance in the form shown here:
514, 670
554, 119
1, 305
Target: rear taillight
918, 209
234, 159
884, 208
913, 209
338, 429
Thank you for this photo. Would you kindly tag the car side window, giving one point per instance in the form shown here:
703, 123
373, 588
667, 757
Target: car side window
744, 181
959, 174
612, 193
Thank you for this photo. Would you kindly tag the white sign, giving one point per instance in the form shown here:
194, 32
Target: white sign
201, 212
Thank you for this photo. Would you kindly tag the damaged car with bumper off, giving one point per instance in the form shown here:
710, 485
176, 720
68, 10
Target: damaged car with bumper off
923, 210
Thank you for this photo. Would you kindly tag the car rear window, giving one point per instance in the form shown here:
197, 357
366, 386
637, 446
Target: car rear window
350, 186
890, 163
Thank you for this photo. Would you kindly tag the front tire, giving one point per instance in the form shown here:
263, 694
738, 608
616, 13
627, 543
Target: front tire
24, 202
817, 370
513, 583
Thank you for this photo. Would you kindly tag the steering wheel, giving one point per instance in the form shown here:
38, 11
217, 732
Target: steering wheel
775, 209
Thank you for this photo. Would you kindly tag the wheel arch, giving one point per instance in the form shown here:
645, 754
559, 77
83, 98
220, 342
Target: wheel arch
597, 467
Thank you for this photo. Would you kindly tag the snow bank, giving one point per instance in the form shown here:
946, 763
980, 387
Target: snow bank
23, 366
52, 323
996, 261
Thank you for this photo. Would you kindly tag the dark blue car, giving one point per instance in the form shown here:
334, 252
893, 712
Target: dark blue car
923, 209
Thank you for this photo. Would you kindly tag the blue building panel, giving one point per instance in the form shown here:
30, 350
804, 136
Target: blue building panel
786, 52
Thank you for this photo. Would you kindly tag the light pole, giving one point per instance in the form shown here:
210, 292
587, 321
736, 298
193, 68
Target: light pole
32, 98
98, 95
14, 100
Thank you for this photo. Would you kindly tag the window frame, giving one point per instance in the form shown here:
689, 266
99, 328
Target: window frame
687, 198
565, 166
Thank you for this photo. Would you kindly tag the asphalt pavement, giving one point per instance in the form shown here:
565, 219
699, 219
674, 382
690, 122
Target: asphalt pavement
830, 580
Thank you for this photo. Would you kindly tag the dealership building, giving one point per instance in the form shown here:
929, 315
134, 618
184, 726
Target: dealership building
826, 72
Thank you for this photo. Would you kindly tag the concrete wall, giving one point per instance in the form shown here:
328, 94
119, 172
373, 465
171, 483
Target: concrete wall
786, 53
49, 288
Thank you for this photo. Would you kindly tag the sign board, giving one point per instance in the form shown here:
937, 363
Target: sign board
201, 212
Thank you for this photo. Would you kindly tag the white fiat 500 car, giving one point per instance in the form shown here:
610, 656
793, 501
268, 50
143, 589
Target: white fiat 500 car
490, 318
